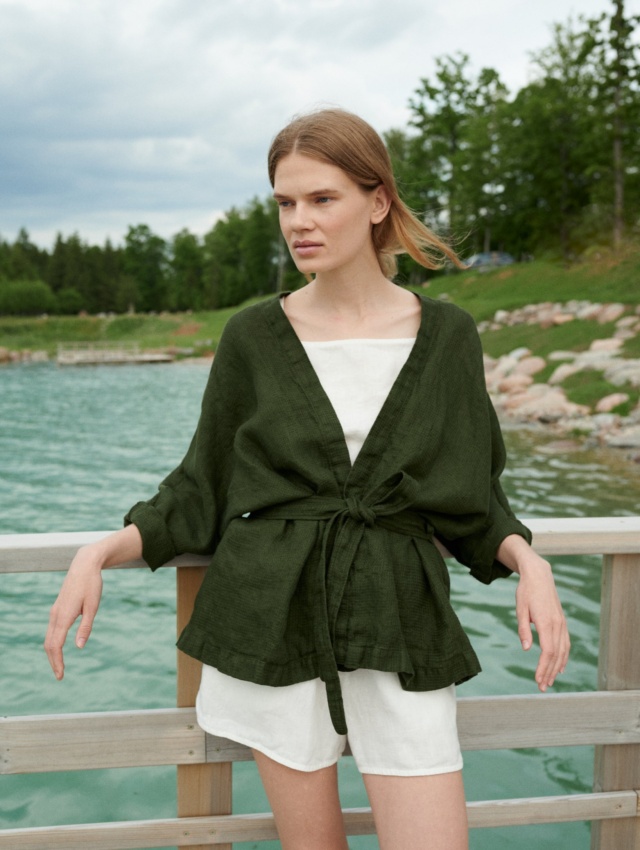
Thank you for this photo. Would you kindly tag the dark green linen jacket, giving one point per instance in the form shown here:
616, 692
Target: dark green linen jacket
318, 565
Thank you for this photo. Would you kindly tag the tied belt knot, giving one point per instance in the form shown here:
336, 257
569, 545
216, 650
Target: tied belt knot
359, 511
388, 506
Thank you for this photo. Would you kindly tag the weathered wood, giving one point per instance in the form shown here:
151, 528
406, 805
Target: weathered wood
549, 720
618, 767
221, 830
203, 789
561, 809
100, 740
38, 553
573, 536
586, 535
43, 743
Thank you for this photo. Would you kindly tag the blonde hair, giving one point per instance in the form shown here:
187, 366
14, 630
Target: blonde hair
341, 138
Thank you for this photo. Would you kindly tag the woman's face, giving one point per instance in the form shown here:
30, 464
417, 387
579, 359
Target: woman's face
326, 218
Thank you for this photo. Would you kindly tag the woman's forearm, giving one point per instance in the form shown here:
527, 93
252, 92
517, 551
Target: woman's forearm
117, 548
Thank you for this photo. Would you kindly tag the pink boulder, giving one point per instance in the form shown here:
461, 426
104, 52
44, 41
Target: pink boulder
606, 404
514, 383
530, 365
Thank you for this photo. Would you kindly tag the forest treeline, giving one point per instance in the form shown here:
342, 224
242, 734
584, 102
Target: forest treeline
553, 169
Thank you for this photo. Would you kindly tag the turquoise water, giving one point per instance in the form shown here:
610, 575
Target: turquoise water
79, 446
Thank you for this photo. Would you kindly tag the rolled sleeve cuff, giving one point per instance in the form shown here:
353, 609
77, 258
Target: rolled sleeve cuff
483, 564
157, 545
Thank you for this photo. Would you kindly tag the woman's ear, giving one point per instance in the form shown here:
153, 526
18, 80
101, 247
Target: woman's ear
381, 204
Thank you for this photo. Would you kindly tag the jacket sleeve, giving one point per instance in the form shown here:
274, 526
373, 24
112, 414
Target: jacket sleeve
185, 513
474, 540
473, 523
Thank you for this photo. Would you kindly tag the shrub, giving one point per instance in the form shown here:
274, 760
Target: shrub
69, 301
26, 298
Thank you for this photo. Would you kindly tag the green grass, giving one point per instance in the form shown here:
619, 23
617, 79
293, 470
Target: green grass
589, 386
631, 347
572, 336
602, 280
201, 330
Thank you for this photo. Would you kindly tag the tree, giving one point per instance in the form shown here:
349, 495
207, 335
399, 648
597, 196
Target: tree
448, 166
145, 260
553, 150
615, 55
186, 268
259, 248
441, 112
243, 255
25, 261
222, 275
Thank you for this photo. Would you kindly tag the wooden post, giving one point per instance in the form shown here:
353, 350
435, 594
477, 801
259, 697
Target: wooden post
617, 766
203, 789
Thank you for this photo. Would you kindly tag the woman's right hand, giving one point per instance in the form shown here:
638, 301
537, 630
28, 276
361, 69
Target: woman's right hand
79, 597
82, 588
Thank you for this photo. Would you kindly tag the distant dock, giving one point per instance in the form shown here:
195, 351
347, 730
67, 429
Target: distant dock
106, 353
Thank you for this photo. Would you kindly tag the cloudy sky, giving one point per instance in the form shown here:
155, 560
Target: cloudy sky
119, 112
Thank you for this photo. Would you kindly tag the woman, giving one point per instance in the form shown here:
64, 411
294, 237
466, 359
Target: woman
344, 426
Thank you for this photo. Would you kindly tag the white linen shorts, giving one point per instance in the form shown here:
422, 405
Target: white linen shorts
391, 731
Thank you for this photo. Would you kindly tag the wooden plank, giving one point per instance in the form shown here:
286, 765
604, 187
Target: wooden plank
203, 789
618, 767
221, 830
549, 720
39, 744
561, 809
586, 535
42, 743
53, 552
571, 536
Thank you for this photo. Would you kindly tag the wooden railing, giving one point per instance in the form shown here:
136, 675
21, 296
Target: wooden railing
608, 719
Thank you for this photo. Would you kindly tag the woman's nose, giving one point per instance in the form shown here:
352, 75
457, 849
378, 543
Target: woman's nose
301, 219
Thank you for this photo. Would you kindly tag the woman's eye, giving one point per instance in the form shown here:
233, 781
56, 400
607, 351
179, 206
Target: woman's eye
284, 204
322, 200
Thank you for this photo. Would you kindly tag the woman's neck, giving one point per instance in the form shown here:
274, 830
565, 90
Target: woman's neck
325, 310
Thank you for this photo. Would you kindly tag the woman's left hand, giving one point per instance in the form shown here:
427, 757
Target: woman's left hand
538, 604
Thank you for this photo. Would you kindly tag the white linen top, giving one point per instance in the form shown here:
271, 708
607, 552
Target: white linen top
357, 375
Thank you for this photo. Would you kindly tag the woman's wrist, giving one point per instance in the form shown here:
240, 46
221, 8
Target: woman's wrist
516, 554
92, 556
114, 549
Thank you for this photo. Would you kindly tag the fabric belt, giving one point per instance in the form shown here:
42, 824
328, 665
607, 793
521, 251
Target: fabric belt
346, 519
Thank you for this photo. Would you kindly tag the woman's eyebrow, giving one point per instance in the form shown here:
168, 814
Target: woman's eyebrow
316, 193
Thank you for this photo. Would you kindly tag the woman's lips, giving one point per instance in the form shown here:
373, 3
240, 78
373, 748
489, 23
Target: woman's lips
305, 248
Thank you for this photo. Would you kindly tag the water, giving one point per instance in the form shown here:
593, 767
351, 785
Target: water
79, 446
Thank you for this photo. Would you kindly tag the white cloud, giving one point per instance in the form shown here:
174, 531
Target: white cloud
162, 110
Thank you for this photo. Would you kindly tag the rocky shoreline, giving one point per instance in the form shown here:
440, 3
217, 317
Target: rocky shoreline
519, 398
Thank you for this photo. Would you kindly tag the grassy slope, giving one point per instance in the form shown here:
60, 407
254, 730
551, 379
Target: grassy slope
598, 281
180, 330
605, 279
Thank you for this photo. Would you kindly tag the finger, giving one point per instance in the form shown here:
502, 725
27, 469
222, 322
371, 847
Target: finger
565, 646
567, 651
85, 627
524, 626
53, 643
563, 653
547, 663
552, 645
